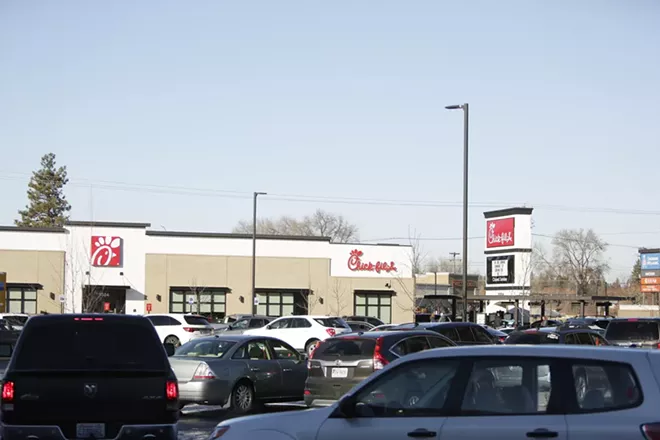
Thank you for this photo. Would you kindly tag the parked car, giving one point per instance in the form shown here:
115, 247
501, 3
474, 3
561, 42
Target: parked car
224, 322
370, 319
89, 376
460, 396
337, 364
359, 326
462, 333
245, 323
248, 369
14, 321
634, 332
8, 339
497, 335
179, 328
546, 323
302, 332
383, 327
575, 336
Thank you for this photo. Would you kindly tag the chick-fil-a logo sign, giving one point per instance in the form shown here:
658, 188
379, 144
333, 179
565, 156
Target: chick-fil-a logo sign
356, 264
500, 232
106, 251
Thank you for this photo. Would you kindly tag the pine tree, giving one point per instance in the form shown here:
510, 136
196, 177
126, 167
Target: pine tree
636, 273
48, 207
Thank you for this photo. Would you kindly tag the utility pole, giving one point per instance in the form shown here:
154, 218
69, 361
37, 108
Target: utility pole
254, 246
453, 259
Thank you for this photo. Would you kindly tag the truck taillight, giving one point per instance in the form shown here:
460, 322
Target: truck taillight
203, 372
379, 359
331, 331
8, 391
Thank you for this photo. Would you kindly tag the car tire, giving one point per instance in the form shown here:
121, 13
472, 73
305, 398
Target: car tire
309, 347
171, 339
243, 398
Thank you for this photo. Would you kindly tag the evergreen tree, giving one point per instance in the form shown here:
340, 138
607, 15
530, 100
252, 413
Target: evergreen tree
47, 207
636, 273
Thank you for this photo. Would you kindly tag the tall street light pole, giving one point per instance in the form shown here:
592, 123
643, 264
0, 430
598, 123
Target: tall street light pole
254, 245
466, 118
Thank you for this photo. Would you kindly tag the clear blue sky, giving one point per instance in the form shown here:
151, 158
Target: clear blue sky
340, 99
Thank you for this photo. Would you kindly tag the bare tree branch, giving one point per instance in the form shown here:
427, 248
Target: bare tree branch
337, 300
579, 254
319, 224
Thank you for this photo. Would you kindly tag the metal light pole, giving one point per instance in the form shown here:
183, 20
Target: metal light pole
466, 118
453, 260
254, 245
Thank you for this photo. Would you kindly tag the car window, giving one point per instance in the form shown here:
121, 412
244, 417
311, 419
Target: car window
632, 331
448, 332
283, 351
585, 339
241, 324
301, 323
195, 320
481, 335
169, 320
257, 322
333, 322
345, 347
411, 345
158, 320
464, 334
374, 321
6, 349
571, 338
438, 342
411, 389
516, 386
204, 348
253, 350
281, 324
605, 386
97, 344
599, 340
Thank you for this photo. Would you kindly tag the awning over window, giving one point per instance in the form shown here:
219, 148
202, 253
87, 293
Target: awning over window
26, 286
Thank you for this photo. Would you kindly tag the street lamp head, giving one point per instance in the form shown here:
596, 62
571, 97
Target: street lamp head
256, 193
453, 107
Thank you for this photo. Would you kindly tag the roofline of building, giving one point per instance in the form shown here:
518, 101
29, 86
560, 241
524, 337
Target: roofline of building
649, 251
232, 235
27, 229
509, 211
94, 224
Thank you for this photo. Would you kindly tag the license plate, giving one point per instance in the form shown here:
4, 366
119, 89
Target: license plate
90, 430
339, 372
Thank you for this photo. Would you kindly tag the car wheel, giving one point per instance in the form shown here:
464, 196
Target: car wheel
311, 345
173, 340
242, 398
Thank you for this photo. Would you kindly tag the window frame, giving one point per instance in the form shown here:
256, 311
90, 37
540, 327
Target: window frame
271, 347
191, 309
22, 299
379, 304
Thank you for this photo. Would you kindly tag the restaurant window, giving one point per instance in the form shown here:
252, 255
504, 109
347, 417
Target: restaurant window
208, 302
275, 303
376, 305
22, 300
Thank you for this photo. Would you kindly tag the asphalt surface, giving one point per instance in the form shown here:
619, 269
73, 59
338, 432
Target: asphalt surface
197, 422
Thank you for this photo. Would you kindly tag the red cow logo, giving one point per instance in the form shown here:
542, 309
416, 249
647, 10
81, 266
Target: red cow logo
106, 251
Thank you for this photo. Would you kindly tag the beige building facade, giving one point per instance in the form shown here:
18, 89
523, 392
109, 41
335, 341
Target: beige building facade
129, 268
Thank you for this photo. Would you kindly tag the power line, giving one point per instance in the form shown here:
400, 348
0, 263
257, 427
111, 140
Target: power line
179, 190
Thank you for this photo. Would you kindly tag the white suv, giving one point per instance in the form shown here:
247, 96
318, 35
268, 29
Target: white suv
302, 332
179, 328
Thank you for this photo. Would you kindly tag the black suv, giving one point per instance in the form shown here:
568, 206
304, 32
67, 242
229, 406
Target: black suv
89, 376
337, 364
462, 333
634, 332
572, 336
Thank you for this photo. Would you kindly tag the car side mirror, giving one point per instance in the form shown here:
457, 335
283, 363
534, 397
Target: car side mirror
169, 349
346, 408
269, 327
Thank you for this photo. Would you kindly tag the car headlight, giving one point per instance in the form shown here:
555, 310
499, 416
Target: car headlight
219, 432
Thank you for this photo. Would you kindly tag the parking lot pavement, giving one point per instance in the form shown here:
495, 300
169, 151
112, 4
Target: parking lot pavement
197, 421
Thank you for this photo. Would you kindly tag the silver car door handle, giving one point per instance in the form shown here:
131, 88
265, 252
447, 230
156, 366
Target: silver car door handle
255, 369
287, 369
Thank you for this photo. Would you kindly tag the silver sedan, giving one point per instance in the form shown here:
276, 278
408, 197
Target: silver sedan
242, 370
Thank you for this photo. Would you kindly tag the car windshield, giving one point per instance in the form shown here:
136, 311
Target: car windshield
533, 338
214, 348
196, 320
72, 344
345, 347
632, 330
332, 322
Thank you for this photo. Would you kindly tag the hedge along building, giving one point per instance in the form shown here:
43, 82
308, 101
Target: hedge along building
128, 268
